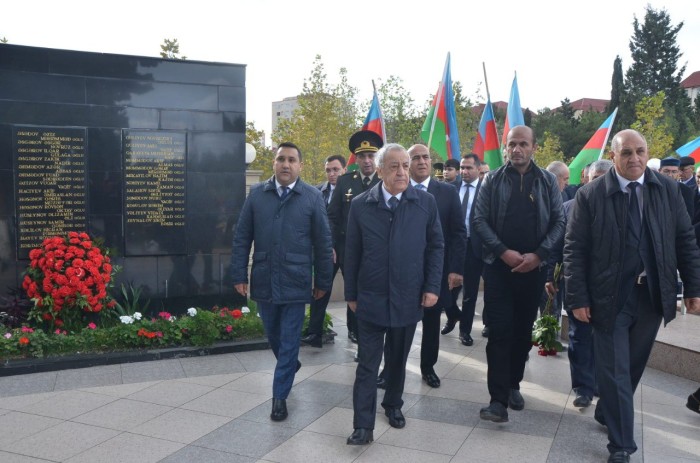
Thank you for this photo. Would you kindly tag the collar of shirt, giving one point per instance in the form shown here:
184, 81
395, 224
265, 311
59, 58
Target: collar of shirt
388, 195
624, 182
278, 185
424, 183
371, 177
473, 183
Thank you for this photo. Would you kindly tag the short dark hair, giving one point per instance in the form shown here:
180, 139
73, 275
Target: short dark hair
475, 157
452, 163
336, 157
289, 144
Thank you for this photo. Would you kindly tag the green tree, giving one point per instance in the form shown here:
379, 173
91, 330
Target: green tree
568, 112
549, 149
401, 120
467, 119
3, 40
617, 85
652, 123
264, 155
171, 49
326, 118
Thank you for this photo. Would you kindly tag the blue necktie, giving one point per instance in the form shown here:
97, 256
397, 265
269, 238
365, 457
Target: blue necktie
285, 193
393, 202
420, 186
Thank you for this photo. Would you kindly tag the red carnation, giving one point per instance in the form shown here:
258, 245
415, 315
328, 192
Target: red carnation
23, 341
236, 313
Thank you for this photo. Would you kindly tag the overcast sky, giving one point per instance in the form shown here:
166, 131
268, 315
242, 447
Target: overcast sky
558, 48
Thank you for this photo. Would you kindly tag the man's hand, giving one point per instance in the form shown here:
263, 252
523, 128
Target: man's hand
582, 314
512, 258
429, 300
242, 289
454, 280
318, 294
551, 290
352, 305
693, 305
530, 262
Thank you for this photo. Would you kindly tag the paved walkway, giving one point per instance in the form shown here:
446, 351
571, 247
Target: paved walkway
216, 409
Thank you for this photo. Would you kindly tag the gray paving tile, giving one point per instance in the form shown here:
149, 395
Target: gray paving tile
445, 411
7, 457
489, 445
671, 430
301, 414
579, 437
338, 422
257, 360
89, 377
314, 448
27, 384
211, 365
171, 393
20, 401
529, 422
214, 380
320, 392
120, 390
61, 442
192, 453
122, 414
128, 448
68, 404
17, 425
149, 371
178, 425
225, 402
428, 436
390, 454
246, 438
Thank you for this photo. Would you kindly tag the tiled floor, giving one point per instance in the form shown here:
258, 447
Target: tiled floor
216, 409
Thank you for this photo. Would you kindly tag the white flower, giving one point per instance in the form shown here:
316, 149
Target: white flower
127, 320
191, 311
258, 314
172, 318
137, 315
8, 335
245, 309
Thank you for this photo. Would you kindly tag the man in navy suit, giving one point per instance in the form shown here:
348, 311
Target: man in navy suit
335, 167
455, 236
468, 189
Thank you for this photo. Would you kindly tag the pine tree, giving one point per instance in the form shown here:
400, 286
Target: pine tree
617, 91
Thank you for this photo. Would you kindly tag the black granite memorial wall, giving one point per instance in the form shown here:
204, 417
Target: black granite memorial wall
147, 153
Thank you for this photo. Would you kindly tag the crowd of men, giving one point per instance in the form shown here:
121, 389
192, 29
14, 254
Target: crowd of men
408, 244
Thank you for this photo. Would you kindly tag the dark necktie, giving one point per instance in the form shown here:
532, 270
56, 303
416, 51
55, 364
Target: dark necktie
393, 202
465, 200
285, 193
365, 182
327, 194
635, 217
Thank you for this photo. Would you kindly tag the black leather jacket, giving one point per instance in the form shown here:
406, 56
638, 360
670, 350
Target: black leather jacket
492, 203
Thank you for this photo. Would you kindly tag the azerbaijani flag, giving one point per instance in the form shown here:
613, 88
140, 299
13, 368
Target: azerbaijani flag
440, 127
374, 122
592, 151
691, 149
486, 143
514, 113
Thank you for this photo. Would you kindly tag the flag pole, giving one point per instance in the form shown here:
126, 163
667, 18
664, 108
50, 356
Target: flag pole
488, 98
437, 101
381, 116
607, 135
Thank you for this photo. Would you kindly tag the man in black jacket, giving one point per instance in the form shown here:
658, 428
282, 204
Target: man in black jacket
627, 236
519, 218
393, 269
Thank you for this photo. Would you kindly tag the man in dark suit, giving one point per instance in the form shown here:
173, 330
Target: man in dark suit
455, 236
471, 262
364, 144
670, 167
335, 167
627, 237
393, 270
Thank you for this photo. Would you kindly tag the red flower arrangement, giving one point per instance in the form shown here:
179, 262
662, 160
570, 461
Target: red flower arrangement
66, 277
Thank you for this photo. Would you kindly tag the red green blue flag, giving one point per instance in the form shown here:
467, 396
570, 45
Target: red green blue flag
440, 128
486, 143
592, 151
374, 122
514, 113
691, 149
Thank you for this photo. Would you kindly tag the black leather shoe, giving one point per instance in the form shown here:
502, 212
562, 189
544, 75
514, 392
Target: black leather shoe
495, 412
279, 410
381, 382
360, 436
582, 401
466, 339
352, 336
396, 419
449, 326
431, 379
598, 416
515, 400
313, 340
298, 365
693, 403
485, 332
619, 457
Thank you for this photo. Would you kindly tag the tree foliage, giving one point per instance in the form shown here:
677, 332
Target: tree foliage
171, 49
264, 155
326, 118
467, 119
401, 120
549, 149
617, 91
652, 123
3, 40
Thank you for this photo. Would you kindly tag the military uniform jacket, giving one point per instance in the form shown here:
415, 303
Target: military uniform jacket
348, 187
